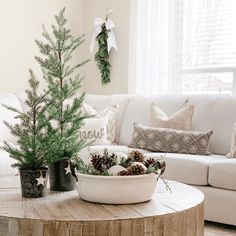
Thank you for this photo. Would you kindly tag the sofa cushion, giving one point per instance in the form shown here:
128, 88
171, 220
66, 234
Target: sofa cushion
216, 112
139, 111
9, 116
189, 169
222, 174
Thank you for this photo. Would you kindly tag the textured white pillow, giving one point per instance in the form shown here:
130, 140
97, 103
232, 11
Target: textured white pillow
100, 102
181, 120
109, 113
94, 130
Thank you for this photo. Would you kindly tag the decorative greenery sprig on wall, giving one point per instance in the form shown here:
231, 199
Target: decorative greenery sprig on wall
105, 37
102, 55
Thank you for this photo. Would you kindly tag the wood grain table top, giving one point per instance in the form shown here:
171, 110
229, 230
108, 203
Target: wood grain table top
67, 206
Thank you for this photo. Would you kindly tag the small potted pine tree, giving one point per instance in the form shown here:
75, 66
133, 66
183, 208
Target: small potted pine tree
63, 82
32, 142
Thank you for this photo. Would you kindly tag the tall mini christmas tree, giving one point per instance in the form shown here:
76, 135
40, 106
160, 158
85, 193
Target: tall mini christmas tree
63, 82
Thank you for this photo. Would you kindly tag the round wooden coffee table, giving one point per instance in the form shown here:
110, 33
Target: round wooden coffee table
64, 214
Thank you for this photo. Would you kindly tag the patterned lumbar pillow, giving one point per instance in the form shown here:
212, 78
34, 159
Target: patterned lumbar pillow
170, 140
109, 113
94, 130
181, 120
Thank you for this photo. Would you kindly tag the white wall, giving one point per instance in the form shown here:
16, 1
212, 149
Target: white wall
20, 24
119, 60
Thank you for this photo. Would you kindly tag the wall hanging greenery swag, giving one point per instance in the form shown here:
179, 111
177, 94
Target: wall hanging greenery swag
105, 37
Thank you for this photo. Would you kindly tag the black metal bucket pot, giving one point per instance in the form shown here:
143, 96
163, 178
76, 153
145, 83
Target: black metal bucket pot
33, 183
60, 176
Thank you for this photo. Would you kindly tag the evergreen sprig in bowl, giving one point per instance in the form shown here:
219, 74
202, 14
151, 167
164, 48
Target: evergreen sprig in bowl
118, 178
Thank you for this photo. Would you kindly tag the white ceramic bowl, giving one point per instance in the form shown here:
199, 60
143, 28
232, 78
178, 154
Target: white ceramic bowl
116, 189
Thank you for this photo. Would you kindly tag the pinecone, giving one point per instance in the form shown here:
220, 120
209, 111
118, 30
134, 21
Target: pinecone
149, 162
123, 173
103, 162
137, 156
135, 170
97, 161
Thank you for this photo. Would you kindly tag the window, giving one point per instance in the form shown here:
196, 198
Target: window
207, 83
209, 46
185, 46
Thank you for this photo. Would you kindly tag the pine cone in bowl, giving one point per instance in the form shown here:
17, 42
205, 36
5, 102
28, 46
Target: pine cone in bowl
136, 156
135, 170
103, 162
97, 161
149, 162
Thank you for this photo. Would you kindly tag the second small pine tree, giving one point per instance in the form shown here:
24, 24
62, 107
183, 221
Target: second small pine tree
63, 81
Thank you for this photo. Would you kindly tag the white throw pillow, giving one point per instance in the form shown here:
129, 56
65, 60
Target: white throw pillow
181, 120
100, 102
232, 152
109, 113
94, 130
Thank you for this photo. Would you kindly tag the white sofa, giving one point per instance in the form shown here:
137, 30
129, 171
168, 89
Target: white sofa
214, 175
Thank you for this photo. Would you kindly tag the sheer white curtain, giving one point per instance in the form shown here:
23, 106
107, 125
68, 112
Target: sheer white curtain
150, 48
183, 46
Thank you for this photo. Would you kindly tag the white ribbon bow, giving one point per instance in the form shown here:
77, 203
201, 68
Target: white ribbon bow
111, 40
